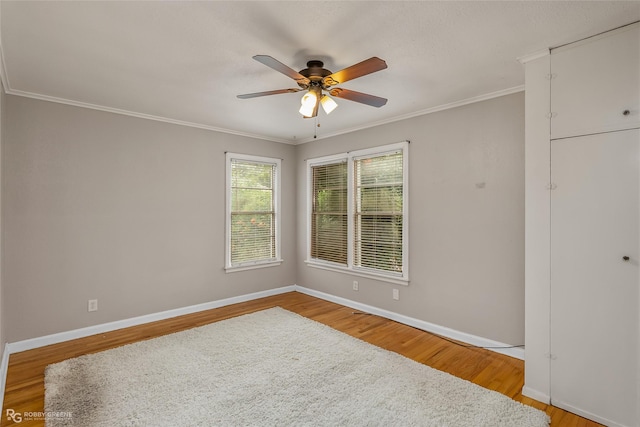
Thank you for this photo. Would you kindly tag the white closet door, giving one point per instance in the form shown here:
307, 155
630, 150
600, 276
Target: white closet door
596, 84
594, 276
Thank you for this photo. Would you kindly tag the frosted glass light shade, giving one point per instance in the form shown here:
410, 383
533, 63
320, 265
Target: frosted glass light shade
328, 104
308, 102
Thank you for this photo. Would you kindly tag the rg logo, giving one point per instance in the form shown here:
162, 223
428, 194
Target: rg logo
14, 416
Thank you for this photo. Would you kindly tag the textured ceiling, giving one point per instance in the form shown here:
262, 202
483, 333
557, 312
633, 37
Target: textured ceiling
185, 62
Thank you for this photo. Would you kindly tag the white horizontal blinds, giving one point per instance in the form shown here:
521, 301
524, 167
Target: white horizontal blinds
378, 221
253, 222
329, 212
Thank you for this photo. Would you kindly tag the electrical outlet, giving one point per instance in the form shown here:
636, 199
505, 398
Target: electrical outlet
396, 294
355, 285
92, 305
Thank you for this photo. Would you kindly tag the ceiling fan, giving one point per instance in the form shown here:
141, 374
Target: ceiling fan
317, 80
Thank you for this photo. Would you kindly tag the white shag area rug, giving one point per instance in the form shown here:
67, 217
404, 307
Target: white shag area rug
269, 368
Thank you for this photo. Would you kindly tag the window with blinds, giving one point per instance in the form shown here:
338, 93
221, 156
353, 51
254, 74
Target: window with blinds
252, 210
358, 207
378, 213
329, 212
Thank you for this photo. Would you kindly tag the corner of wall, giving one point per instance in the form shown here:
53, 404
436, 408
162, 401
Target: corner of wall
537, 229
4, 357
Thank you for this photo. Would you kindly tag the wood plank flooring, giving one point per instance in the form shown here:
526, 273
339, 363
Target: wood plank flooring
25, 377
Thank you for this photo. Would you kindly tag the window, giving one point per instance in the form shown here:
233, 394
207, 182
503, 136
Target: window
378, 203
252, 212
329, 229
358, 212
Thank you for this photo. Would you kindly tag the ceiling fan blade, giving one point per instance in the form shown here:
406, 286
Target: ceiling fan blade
360, 69
363, 98
280, 67
269, 92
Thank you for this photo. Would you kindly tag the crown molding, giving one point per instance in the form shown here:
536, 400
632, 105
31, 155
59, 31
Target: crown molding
3, 72
4, 79
426, 111
533, 56
80, 104
8, 90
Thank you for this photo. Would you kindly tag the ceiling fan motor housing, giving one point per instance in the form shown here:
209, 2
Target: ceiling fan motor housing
316, 73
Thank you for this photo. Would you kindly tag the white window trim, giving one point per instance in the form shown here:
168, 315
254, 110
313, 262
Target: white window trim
349, 157
229, 267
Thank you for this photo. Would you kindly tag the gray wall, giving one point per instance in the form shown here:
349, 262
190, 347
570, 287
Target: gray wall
467, 243
125, 210
131, 212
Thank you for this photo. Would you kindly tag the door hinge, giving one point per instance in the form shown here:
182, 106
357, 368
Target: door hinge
551, 115
551, 186
550, 76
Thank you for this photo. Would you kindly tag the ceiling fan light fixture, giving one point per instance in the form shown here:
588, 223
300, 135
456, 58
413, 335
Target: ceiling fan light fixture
328, 104
315, 79
308, 102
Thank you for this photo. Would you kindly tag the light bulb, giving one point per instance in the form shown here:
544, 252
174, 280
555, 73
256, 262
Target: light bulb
308, 102
309, 98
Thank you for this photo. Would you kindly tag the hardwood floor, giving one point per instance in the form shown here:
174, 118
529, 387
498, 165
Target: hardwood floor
25, 378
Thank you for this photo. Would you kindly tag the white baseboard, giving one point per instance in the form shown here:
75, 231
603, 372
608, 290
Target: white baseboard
536, 395
33, 343
586, 414
516, 352
30, 344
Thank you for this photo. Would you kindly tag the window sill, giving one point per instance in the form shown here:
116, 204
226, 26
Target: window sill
360, 273
253, 266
